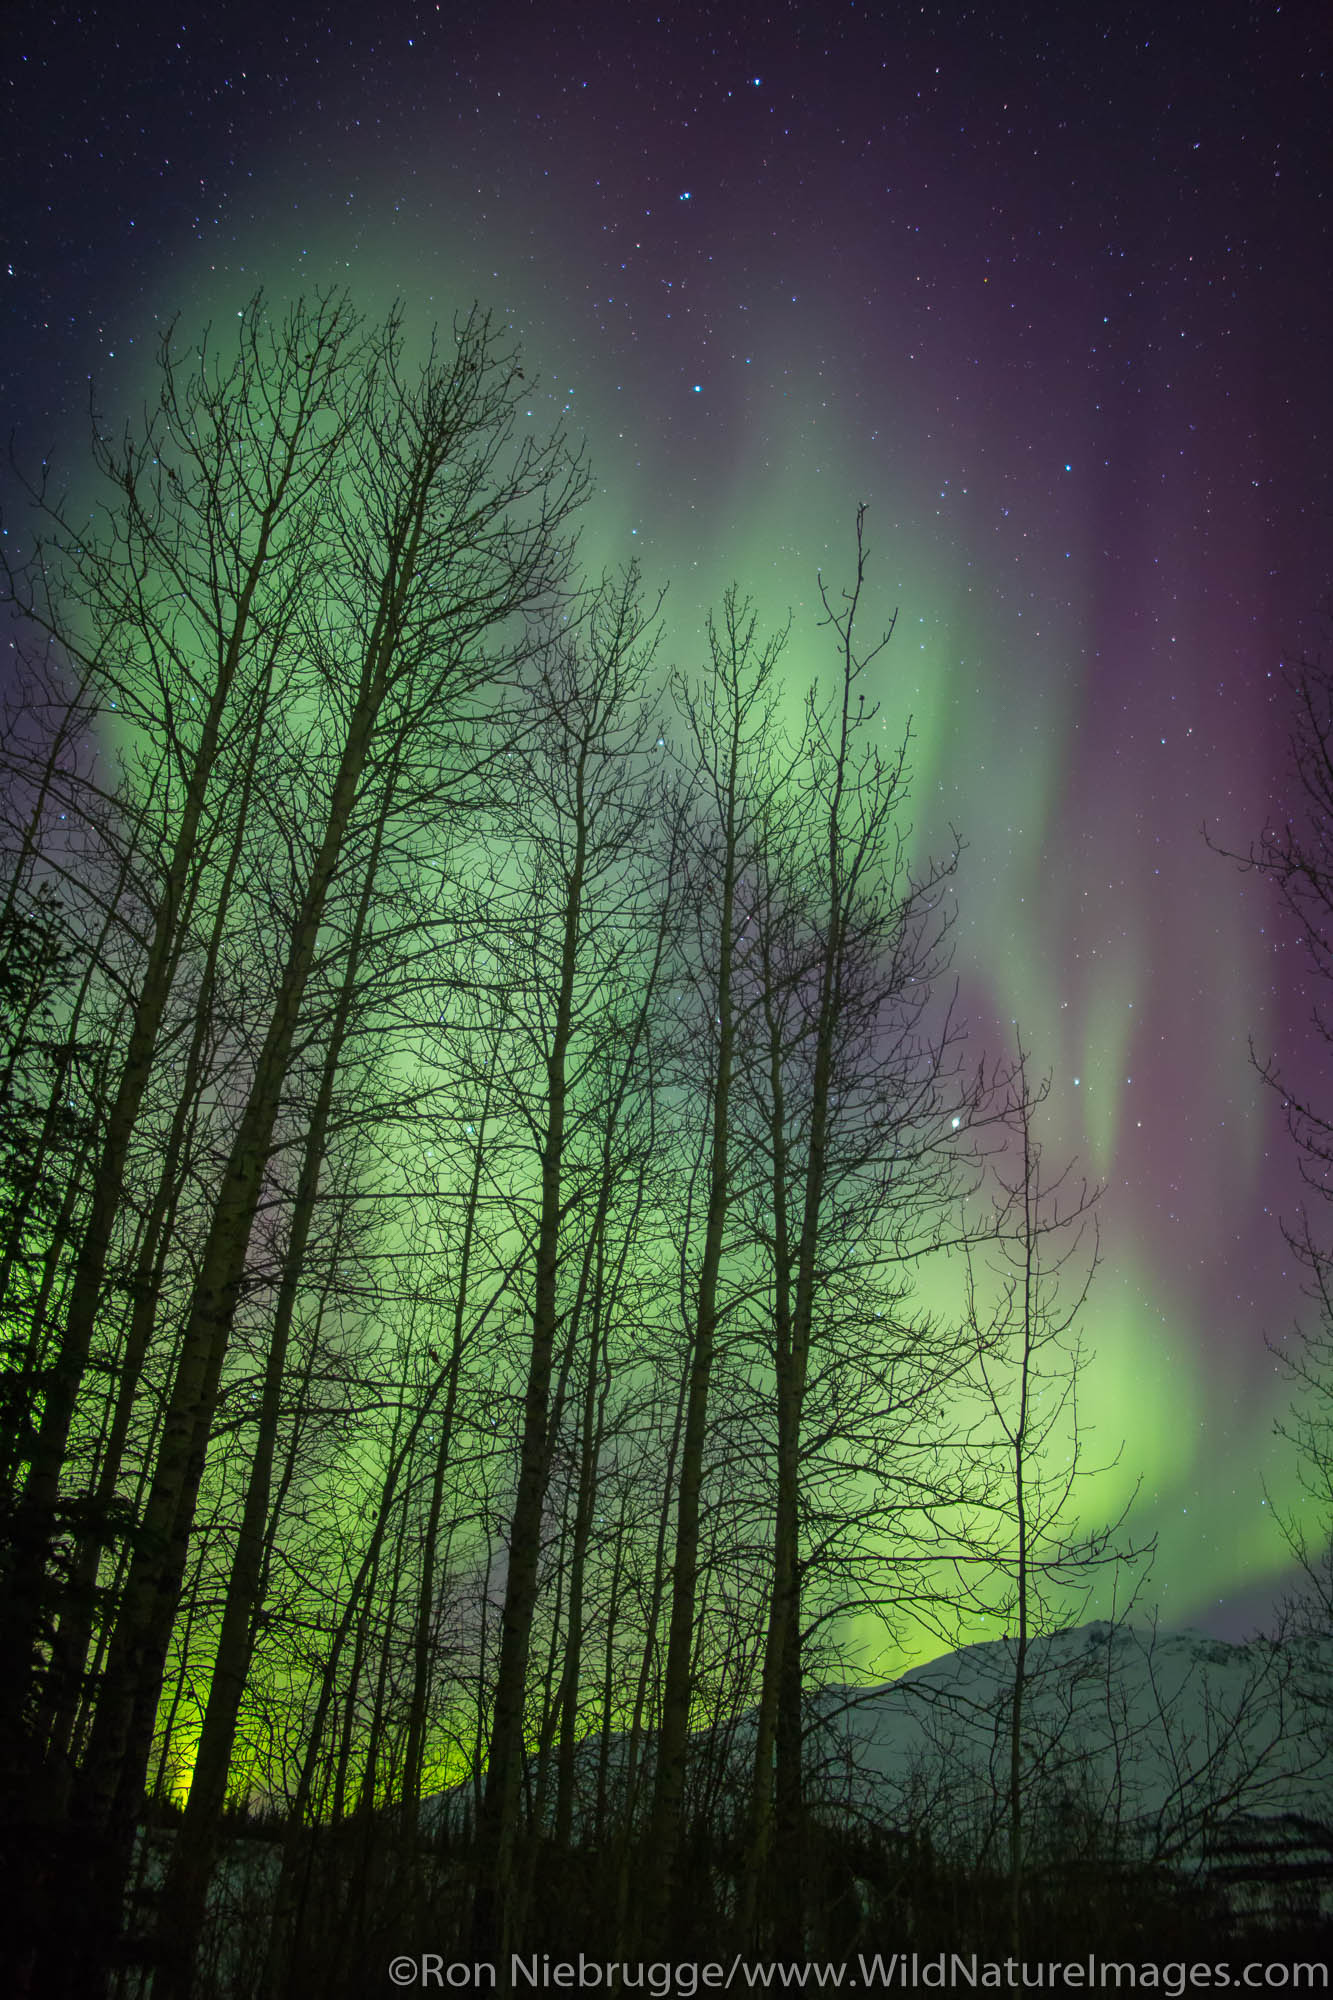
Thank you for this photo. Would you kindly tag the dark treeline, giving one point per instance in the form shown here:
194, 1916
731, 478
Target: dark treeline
476, 1106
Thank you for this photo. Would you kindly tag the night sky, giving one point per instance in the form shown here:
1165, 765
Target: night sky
1048, 290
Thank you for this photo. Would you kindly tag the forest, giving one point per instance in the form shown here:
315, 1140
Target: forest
479, 1102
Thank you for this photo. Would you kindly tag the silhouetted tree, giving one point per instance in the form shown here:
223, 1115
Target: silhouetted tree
858, 1116
576, 953
318, 568
1295, 854
1028, 1560
735, 767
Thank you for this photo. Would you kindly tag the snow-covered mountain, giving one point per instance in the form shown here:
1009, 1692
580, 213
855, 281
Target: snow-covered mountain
1137, 1743
1151, 1743
1177, 1751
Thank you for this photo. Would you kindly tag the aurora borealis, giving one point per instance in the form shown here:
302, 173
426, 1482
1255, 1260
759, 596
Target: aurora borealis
1048, 291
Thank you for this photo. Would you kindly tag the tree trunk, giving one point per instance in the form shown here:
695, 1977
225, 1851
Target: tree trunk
677, 1694
192, 1852
496, 1833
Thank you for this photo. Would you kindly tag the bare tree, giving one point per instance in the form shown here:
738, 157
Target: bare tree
734, 770
580, 945
859, 1121
175, 616
1032, 1565
371, 545
1295, 854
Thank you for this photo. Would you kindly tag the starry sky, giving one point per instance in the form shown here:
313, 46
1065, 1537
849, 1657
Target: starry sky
1047, 288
